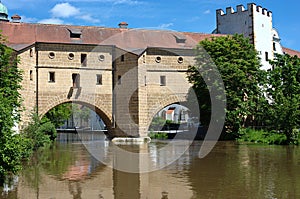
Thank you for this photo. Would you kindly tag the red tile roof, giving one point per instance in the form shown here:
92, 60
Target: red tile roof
22, 34
169, 111
291, 52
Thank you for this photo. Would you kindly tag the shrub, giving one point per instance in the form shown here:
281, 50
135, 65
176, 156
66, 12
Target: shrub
158, 135
40, 132
262, 137
13, 150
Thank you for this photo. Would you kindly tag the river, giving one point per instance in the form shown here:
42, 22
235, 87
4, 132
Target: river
88, 170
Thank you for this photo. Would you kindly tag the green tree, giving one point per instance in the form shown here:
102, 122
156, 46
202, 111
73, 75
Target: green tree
13, 147
284, 94
59, 114
239, 66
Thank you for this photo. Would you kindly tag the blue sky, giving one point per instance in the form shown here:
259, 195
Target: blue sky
184, 15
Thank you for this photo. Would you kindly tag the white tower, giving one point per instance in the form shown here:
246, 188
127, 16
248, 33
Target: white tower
256, 24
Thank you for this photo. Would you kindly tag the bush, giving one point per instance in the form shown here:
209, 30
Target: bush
40, 132
13, 149
49, 129
159, 135
262, 137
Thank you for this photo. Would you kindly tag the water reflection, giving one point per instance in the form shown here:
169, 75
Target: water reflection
67, 170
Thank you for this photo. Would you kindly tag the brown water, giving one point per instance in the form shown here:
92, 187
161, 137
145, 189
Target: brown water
232, 171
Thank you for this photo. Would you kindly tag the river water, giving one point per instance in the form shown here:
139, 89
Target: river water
74, 170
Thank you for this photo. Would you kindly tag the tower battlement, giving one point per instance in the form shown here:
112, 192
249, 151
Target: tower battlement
251, 7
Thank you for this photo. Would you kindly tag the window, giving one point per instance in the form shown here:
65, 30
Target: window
144, 58
76, 80
83, 59
163, 80
180, 60
51, 76
75, 35
51, 55
99, 79
274, 46
30, 75
119, 79
158, 59
71, 56
122, 58
267, 56
31, 52
101, 57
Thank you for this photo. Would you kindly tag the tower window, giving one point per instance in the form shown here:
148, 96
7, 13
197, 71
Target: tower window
51, 76
84, 60
267, 56
99, 79
30, 75
162, 80
76, 80
122, 58
274, 46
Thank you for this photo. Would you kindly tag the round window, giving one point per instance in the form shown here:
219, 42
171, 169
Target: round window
180, 60
158, 59
71, 56
51, 55
101, 57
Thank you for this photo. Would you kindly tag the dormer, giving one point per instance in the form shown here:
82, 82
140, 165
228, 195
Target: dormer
75, 33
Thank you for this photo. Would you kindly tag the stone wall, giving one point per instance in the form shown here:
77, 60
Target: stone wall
28, 92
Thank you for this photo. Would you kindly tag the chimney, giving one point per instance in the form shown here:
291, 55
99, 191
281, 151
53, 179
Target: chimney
16, 18
123, 25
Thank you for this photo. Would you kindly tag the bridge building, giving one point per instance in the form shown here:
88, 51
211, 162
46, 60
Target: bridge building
125, 75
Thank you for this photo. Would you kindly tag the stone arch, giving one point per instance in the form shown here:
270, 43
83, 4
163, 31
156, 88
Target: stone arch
98, 106
158, 103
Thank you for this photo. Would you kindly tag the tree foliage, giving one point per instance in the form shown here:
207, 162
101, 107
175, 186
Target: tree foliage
239, 66
13, 147
59, 114
284, 93
40, 131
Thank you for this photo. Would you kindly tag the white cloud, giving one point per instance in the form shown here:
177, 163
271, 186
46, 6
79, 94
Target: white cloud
207, 12
64, 10
28, 19
89, 18
165, 26
51, 21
